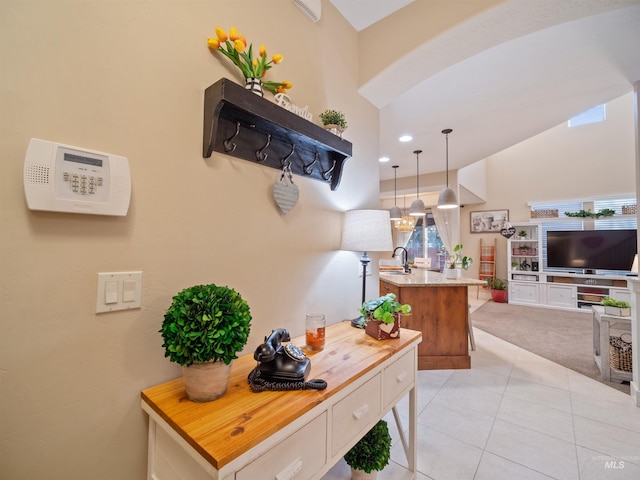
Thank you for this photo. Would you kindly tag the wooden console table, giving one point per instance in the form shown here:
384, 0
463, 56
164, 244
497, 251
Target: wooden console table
602, 324
285, 435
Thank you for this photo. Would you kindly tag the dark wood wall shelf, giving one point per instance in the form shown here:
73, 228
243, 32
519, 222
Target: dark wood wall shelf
242, 124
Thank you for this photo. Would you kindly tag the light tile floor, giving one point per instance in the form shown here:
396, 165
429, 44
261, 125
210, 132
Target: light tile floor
515, 415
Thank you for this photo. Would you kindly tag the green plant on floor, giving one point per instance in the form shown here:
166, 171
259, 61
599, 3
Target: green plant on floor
372, 451
496, 283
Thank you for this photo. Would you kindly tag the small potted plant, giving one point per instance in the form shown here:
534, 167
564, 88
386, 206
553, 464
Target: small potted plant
334, 121
498, 289
514, 265
203, 330
618, 308
382, 316
522, 234
371, 454
456, 262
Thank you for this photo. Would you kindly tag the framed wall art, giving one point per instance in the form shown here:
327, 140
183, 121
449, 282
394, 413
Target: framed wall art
489, 221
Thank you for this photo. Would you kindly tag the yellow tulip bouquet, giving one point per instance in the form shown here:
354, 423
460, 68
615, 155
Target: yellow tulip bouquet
235, 48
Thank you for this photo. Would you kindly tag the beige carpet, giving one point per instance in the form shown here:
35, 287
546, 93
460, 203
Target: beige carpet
563, 337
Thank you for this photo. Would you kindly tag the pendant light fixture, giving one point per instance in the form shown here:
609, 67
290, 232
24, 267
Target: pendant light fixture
407, 223
395, 212
417, 208
447, 197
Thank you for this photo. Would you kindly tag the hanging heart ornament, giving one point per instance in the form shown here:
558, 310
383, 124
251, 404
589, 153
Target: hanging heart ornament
286, 193
507, 231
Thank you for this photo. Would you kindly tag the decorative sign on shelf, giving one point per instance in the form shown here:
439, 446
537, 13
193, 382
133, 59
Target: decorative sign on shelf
284, 101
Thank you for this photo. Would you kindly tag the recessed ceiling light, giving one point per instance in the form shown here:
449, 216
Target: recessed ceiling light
383, 159
405, 138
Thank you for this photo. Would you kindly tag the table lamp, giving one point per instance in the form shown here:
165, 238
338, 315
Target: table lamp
366, 231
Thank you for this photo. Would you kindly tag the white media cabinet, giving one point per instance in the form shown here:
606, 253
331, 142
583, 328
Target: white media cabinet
529, 285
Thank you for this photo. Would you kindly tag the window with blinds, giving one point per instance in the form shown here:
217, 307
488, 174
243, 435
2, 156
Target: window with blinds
619, 221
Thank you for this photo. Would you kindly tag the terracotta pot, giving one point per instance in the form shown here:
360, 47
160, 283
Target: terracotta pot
383, 331
362, 475
205, 382
499, 296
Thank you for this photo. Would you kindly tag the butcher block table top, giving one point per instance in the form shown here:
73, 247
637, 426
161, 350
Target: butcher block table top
225, 428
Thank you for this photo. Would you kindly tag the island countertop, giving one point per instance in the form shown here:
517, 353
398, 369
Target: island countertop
428, 278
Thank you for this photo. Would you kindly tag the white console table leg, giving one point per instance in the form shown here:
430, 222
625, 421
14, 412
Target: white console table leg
634, 285
409, 447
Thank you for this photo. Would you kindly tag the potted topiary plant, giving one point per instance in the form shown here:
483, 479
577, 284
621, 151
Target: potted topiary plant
371, 453
382, 316
203, 330
498, 289
334, 121
456, 262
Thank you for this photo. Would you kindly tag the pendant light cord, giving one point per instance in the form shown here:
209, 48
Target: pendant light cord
417, 152
447, 166
395, 184
446, 132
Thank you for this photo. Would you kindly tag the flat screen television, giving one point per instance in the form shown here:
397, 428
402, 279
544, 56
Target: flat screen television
591, 249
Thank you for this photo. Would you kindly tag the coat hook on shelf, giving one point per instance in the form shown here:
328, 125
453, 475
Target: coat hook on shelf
308, 169
229, 145
283, 162
261, 156
327, 175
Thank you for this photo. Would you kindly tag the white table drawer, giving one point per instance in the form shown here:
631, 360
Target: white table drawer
398, 377
297, 457
352, 414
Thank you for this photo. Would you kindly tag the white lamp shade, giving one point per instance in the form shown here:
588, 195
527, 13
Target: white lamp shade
395, 213
634, 267
447, 199
417, 208
367, 231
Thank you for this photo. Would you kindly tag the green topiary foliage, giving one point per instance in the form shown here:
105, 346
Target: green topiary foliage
373, 450
204, 323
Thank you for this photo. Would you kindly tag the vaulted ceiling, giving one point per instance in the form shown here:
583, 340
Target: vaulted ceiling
495, 71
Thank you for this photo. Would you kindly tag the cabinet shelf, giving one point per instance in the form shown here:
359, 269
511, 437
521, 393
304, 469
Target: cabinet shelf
239, 123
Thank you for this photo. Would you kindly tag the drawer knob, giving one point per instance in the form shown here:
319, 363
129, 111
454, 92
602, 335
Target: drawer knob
402, 377
291, 470
359, 413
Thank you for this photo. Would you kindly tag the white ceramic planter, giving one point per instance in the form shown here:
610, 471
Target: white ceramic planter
452, 273
362, 475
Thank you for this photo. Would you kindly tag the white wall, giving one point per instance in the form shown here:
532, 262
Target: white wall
128, 77
562, 163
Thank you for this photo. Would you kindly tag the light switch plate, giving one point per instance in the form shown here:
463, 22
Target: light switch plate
127, 295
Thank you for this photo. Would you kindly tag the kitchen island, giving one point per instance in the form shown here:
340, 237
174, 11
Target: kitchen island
440, 310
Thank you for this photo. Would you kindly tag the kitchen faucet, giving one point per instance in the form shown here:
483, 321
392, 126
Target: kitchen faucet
404, 258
